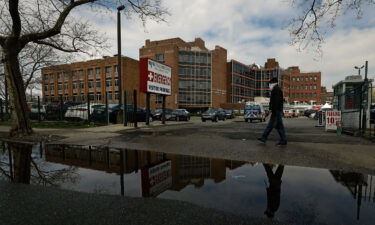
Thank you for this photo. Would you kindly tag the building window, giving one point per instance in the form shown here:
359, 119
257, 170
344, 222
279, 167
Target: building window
98, 97
91, 96
51, 77
314, 86
81, 75
116, 82
45, 87
59, 75
66, 75
158, 99
311, 78
59, 86
66, 87
108, 69
109, 95
116, 95
306, 78
315, 78
159, 58
97, 70
74, 84
91, 83
108, 82
115, 68
52, 87
81, 85
297, 78
45, 77
98, 83
90, 72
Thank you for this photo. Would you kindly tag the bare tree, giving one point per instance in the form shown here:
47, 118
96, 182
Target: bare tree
318, 16
50, 23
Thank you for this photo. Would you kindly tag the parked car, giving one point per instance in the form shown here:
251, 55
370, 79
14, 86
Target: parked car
99, 114
182, 114
140, 115
79, 112
214, 115
34, 112
287, 114
308, 112
229, 113
169, 115
254, 111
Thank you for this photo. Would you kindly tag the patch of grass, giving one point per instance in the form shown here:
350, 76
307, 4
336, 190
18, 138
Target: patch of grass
55, 124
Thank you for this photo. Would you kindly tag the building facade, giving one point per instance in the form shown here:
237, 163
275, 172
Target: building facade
301, 86
246, 82
91, 79
198, 74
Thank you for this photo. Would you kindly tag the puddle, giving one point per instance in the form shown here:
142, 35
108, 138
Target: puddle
290, 194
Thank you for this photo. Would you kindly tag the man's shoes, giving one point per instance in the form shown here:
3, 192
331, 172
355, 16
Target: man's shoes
262, 140
281, 143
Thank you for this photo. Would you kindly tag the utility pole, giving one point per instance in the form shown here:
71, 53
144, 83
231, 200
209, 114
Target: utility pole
119, 9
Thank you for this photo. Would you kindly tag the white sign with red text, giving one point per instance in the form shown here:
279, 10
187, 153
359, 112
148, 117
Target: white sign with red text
155, 77
332, 117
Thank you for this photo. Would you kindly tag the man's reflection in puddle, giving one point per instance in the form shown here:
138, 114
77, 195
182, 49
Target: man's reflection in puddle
274, 189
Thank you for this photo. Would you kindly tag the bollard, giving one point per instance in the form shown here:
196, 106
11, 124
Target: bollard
339, 128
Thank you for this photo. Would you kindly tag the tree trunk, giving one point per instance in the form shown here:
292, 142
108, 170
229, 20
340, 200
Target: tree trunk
22, 162
21, 125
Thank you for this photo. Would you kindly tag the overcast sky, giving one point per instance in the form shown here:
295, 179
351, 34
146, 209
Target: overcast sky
251, 31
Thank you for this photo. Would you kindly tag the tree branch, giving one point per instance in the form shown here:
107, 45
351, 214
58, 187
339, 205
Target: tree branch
55, 46
13, 10
56, 29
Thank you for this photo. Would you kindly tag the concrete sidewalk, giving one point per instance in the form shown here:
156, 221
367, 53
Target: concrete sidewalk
35, 205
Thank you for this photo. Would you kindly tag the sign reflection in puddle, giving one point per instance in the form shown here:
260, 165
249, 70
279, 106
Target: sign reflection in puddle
287, 193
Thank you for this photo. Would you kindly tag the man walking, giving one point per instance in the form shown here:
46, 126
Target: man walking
276, 108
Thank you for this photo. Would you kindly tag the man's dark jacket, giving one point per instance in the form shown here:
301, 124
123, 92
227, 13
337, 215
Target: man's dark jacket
277, 100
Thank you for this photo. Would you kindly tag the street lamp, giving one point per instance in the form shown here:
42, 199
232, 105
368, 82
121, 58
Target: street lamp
119, 9
359, 69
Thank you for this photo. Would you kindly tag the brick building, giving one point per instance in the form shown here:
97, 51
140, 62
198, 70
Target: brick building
198, 74
91, 79
326, 96
246, 82
301, 86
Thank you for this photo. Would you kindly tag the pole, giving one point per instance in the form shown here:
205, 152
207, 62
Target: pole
1, 111
6, 95
88, 108
125, 111
135, 118
61, 108
147, 108
365, 98
119, 74
106, 108
38, 108
163, 114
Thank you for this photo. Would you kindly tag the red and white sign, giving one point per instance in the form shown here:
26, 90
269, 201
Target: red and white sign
155, 77
156, 179
332, 117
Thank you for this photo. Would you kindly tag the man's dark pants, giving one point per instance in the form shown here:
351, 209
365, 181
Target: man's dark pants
276, 117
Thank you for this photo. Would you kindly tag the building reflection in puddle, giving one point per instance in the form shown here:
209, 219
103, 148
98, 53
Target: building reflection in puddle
217, 182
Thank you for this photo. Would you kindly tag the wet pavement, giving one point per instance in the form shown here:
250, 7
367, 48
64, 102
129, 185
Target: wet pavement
244, 191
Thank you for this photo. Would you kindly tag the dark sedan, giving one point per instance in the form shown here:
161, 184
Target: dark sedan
214, 115
169, 115
229, 113
181, 114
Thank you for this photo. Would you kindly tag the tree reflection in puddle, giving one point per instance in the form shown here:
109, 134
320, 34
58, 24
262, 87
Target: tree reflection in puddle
19, 164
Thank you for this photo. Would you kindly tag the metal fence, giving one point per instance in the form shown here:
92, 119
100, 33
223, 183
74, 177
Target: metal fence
86, 111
